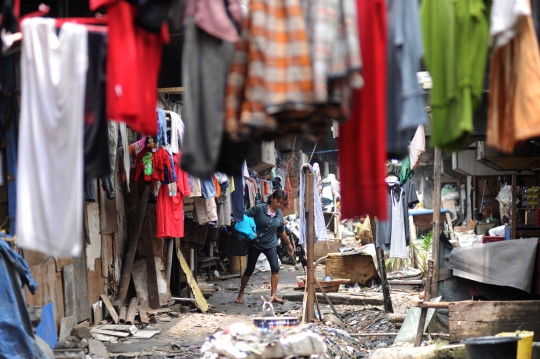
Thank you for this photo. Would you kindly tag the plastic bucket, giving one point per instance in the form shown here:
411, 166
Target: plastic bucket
524, 350
491, 347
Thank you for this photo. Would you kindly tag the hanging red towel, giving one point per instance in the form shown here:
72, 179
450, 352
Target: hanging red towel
362, 141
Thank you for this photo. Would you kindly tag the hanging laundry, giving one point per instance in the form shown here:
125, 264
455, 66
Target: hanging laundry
363, 139
237, 197
456, 44
261, 87
406, 196
514, 109
333, 37
177, 132
152, 165
170, 209
417, 147
208, 188
320, 224
205, 211
116, 129
133, 63
211, 29
224, 207
195, 185
161, 138
50, 170
398, 248
405, 108
96, 150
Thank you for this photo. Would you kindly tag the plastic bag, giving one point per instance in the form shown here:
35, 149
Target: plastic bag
505, 201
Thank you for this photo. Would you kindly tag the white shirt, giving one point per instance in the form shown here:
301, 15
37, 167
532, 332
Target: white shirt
50, 169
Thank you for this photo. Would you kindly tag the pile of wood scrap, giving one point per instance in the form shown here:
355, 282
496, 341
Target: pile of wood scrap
207, 289
110, 333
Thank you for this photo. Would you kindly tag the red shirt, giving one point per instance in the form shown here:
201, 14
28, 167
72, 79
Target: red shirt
158, 161
362, 141
170, 210
133, 62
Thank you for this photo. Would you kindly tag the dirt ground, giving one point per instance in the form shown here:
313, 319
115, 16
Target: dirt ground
182, 337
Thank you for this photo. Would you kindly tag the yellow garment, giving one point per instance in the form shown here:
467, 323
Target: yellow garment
514, 105
364, 233
231, 183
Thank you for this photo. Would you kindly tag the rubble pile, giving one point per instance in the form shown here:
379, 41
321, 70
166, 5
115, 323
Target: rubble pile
340, 345
243, 341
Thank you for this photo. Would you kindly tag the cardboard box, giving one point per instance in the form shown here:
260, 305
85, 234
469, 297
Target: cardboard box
267, 157
530, 218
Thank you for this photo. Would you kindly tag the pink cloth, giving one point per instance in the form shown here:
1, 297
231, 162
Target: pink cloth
211, 16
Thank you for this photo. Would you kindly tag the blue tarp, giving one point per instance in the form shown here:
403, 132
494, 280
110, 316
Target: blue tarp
16, 337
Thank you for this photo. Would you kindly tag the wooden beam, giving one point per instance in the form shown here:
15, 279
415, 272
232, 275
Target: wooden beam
478, 318
310, 245
171, 90
132, 245
437, 168
143, 316
427, 297
201, 303
110, 308
151, 273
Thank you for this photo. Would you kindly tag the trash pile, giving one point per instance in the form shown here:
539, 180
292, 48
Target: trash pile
340, 344
243, 341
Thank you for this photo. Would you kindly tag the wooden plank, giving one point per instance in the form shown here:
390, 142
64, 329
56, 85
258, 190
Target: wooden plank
450, 226
107, 212
110, 308
145, 334
106, 253
110, 332
70, 300
201, 303
171, 90
62, 262
469, 319
66, 326
122, 314
140, 274
427, 298
82, 290
435, 246
59, 294
119, 328
132, 245
158, 311
98, 312
133, 305
310, 249
143, 316
45, 274
97, 348
151, 274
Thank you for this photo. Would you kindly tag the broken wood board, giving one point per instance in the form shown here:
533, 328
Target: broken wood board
145, 334
201, 303
97, 308
62, 262
157, 311
474, 319
107, 211
66, 326
110, 332
119, 328
140, 279
97, 348
143, 316
82, 290
357, 267
104, 338
110, 308
70, 300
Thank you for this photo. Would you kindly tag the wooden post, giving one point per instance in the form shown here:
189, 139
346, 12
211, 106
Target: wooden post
436, 220
170, 249
151, 274
427, 297
199, 298
382, 272
132, 245
513, 229
310, 245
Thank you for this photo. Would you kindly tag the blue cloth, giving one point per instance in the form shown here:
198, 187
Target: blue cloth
208, 188
167, 175
162, 128
246, 228
47, 327
237, 198
17, 340
507, 233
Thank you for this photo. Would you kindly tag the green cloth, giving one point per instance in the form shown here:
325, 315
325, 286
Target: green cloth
456, 34
267, 227
406, 172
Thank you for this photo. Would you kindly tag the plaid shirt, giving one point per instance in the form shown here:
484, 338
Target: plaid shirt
271, 76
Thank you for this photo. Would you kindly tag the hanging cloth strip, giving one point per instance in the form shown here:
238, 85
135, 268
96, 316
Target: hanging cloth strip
320, 224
